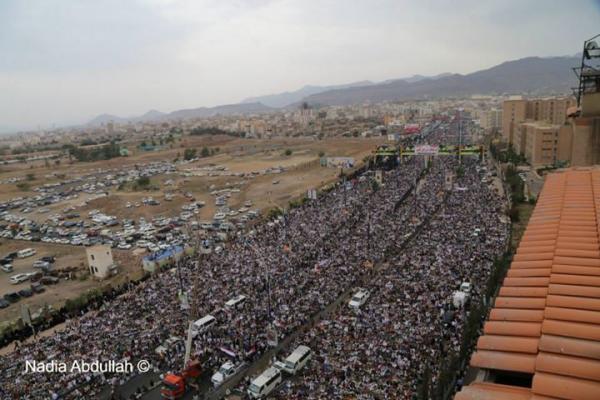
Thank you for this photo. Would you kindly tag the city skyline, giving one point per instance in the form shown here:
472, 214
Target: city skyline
67, 62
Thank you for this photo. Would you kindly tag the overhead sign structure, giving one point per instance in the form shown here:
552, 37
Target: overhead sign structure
426, 149
441, 150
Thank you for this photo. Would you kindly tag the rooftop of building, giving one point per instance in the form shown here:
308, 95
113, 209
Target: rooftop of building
542, 338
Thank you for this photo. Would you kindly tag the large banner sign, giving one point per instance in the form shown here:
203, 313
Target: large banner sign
426, 149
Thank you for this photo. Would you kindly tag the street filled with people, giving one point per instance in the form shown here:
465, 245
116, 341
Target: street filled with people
409, 322
355, 234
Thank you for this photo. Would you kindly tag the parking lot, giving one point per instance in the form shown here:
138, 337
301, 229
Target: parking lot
209, 198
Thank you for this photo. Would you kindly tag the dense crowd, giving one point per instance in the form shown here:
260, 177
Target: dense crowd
409, 322
290, 270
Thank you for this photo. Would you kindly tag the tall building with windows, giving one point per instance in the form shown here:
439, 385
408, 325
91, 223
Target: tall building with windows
513, 112
539, 129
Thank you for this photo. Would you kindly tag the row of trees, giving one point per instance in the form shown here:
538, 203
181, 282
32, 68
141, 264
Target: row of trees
201, 131
192, 153
105, 152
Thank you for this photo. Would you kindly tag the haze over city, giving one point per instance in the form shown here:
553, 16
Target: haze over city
64, 62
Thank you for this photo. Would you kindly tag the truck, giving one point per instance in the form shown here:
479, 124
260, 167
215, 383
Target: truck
175, 386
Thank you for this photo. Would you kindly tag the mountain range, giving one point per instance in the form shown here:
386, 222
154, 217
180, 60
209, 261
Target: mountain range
201, 112
532, 75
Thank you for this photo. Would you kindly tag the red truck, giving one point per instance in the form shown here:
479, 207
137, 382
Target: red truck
175, 386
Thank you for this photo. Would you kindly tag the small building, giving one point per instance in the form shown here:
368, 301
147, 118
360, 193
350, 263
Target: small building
100, 261
169, 256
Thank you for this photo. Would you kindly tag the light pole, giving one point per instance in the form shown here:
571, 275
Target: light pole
270, 328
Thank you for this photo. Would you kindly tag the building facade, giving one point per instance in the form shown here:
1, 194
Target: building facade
100, 261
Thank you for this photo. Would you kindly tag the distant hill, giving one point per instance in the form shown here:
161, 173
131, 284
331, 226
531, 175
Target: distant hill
201, 112
283, 99
292, 99
417, 78
229, 109
534, 75
105, 118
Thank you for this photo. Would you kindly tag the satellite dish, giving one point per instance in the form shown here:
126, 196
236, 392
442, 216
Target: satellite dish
591, 45
592, 50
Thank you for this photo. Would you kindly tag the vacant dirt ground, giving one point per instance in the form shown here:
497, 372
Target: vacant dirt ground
238, 155
66, 256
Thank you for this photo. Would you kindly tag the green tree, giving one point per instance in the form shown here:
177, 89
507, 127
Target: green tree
288, 152
189, 154
30, 176
143, 181
205, 152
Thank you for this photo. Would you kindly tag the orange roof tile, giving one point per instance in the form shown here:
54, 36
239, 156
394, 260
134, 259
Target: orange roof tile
546, 318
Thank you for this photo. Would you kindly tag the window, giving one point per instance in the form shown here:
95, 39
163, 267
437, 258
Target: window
92, 256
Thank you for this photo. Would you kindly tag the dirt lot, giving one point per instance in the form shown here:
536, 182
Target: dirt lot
302, 172
55, 295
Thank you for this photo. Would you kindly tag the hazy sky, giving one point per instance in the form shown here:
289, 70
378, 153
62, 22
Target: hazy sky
66, 61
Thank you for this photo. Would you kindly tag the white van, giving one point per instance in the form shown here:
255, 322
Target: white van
203, 324
264, 383
297, 360
237, 300
25, 253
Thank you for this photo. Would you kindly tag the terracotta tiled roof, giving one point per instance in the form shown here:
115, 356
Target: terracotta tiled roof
546, 318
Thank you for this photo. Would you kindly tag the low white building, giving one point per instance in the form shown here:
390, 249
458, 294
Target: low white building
100, 261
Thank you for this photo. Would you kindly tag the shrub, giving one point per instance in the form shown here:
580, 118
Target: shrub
189, 154
143, 181
24, 186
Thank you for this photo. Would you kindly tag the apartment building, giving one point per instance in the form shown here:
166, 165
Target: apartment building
490, 119
540, 129
543, 143
513, 112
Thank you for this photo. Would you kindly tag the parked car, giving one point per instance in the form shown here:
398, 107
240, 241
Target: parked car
49, 280
224, 373
6, 268
124, 246
18, 278
49, 259
4, 303
12, 297
34, 276
25, 293
37, 287
6, 260
41, 264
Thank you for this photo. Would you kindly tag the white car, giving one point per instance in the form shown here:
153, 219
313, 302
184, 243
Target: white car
41, 264
142, 243
465, 287
18, 278
124, 246
359, 298
6, 268
224, 373
219, 216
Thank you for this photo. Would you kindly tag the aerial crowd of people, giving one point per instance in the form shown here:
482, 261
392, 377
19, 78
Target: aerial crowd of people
292, 269
409, 322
